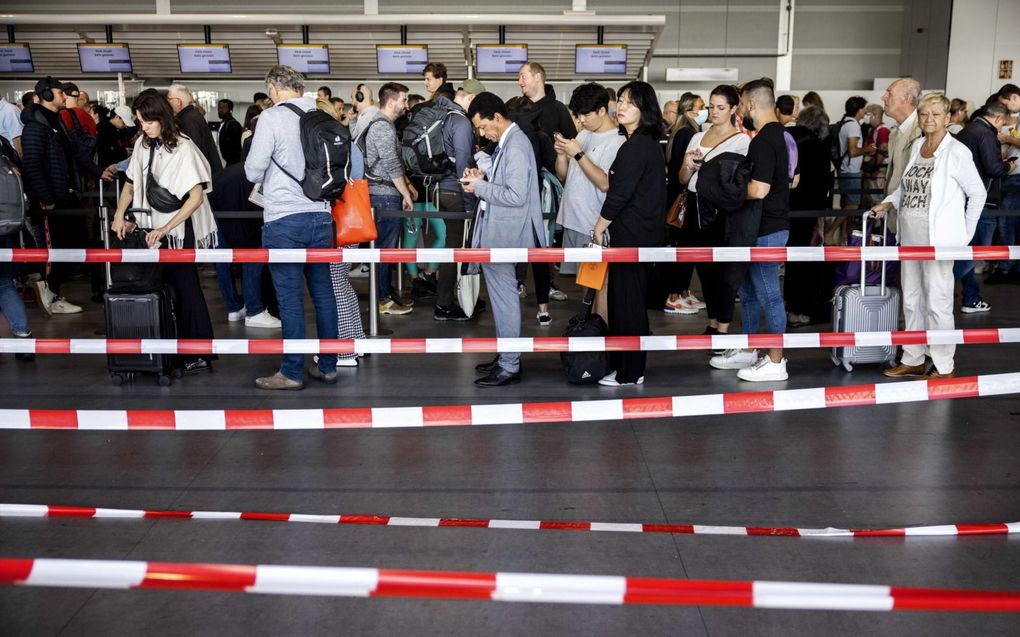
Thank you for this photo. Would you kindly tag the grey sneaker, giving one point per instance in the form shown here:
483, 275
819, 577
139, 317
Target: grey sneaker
321, 376
557, 295
280, 382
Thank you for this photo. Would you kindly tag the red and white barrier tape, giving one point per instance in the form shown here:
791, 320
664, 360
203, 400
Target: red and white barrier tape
500, 345
513, 413
511, 255
97, 513
500, 587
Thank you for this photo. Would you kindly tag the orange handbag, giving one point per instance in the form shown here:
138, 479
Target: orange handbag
592, 275
353, 215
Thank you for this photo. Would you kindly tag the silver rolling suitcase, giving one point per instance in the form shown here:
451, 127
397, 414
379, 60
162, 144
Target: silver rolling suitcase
861, 308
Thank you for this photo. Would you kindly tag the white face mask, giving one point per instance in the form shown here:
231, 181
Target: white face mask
701, 117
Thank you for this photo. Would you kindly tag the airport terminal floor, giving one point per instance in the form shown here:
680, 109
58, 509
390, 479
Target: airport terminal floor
942, 462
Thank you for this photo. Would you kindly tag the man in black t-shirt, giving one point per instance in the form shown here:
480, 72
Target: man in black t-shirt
770, 183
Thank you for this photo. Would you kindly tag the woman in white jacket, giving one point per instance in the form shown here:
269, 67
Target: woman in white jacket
939, 203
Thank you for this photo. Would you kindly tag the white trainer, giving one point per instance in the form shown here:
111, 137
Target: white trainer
60, 305
695, 302
234, 317
764, 370
263, 320
609, 380
43, 296
734, 359
359, 272
340, 362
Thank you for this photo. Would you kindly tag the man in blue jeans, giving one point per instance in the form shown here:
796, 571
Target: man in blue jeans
388, 187
292, 221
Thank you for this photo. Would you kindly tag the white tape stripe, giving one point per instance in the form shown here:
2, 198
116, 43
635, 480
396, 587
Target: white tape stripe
532, 525
24, 510
590, 589
15, 419
822, 596
618, 528
497, 414
200, 420
87, 346
86, 573
719, 530
299, 419
431, 522
216, 515
944, 529
314, 519
100, 420
397, 417
126, 514
903, 392
790, 399
315, 580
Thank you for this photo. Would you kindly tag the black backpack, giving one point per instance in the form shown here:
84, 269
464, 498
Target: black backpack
421, 144
84, 141
585, 368
327, 147
835, 153
12, 199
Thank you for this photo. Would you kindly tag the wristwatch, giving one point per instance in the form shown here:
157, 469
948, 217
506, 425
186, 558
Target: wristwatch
579, 155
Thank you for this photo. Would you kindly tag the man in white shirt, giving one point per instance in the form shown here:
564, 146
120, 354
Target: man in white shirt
900, 101
852, 151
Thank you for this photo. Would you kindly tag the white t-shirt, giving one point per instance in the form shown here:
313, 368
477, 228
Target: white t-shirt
850, 129
582, 201
737, 144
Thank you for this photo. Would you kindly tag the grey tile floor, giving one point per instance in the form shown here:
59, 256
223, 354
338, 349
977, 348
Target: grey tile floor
922, 463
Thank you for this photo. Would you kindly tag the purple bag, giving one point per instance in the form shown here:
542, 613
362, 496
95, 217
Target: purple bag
849, 272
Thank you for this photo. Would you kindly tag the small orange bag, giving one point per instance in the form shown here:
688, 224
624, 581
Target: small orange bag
592, 275
353, 215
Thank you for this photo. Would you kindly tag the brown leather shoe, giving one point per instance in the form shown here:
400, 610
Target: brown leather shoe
935, 374
904, 371
278, 381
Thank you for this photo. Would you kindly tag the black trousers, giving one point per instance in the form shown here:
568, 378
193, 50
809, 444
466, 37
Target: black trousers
542, 275
64, 232
628, 316
807, 287
192, 312
446, 284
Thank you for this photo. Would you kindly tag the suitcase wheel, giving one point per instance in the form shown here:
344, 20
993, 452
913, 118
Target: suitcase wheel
164, 380
117, 379
848, 366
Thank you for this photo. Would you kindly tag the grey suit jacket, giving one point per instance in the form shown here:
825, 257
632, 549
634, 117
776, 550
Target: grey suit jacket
513, 215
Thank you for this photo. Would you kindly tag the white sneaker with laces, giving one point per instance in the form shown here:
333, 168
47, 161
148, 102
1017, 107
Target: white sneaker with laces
340, 362
62, 306
695, 302
734, 359
609, 380
263, 320
43, 296
557, 295
358, 272
234, 317
764, 370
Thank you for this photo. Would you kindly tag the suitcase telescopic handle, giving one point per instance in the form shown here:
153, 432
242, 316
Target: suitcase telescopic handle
864, 241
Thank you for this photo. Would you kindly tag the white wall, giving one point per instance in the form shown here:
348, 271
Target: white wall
984, 32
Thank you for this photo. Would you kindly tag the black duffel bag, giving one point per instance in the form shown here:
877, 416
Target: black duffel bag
585, 368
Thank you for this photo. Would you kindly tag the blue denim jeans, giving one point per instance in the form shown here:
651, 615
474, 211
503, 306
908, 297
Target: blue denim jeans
251, 284
761, 291
389, 232
1008, 225
964, 270
303, 230
12, 306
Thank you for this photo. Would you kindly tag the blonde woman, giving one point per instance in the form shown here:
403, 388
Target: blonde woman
939, 202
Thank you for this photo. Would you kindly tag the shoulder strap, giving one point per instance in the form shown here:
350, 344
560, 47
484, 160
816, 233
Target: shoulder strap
294, 108
716, 147
297, 111
74, 119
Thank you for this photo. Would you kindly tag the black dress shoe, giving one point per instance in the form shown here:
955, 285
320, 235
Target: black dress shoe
488, 368
499, 378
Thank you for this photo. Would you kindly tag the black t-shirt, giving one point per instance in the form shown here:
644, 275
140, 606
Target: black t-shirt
771, 165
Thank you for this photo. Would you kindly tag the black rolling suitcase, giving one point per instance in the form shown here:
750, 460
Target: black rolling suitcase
138, 305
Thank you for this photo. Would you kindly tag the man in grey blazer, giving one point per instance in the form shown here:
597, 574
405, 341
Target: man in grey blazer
509, 216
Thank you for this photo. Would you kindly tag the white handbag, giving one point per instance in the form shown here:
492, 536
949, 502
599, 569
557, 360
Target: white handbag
468, 285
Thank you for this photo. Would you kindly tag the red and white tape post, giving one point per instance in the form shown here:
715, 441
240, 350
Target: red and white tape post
499, 587
513, 413
38, 511
511, 255
671, 343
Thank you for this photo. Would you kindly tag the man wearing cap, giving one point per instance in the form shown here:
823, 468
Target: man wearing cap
459, 142
50, 175
73, 111
193, 124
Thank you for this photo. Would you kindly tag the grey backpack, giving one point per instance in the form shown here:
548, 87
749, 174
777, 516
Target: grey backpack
12, 199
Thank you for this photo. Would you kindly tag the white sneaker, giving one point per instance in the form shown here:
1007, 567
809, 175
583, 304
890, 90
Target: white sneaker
610, 381
43, 296
764, 370
234, 317
734, 359
60, 305
557, 295
340, 362
263, 320
695, 302
359, 272
680, 306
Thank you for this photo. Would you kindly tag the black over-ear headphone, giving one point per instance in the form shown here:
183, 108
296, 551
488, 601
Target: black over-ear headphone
359, 95
46, 94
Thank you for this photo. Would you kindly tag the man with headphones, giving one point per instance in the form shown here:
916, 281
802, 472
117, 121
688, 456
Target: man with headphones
364, 107
51, 179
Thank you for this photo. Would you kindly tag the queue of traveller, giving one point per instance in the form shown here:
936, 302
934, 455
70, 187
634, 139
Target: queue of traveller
735, 164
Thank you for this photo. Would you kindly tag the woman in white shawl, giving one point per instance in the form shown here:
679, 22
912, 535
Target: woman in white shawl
172, 178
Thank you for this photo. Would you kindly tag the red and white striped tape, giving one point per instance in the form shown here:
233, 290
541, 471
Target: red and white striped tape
98, 513
511, 255
501, 587
513, 413
500, 345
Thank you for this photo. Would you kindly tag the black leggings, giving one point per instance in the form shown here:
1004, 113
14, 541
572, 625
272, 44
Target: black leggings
191, 310
542, 274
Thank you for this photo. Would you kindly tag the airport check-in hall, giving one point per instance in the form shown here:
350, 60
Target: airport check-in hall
686, 317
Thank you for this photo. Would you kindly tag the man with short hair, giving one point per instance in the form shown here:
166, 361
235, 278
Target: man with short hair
785, 106
83, 100
509, 216
50, 173
230, 132
437, 80
10, 124
389, 188
324, 93
980, 135
553, 117
72, 113
292, 221
459, 143
193, 124
851, 151
900, 101
768, 191
365, 108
